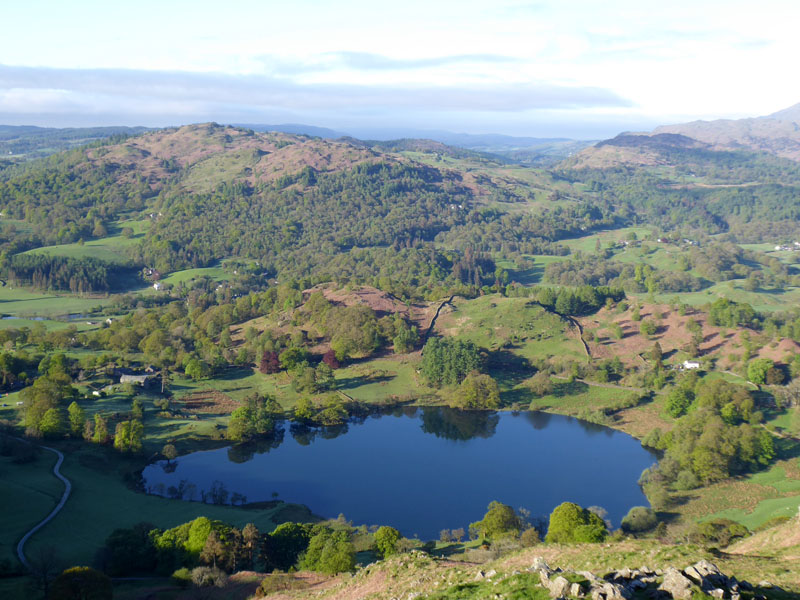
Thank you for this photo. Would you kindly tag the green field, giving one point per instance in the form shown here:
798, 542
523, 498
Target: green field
215, 273
27, 303
30, 492
101, 502
512, 326
589, 242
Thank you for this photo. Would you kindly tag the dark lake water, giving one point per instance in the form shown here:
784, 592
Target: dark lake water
424, 470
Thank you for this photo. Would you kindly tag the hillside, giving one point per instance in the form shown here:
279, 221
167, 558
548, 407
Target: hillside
288, 205
776, 135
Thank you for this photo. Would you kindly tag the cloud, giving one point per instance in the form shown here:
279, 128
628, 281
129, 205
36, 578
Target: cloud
367, 61
145, 91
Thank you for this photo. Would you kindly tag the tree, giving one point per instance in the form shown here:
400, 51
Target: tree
269, 363
213, 550
570, 523
541, 384
169, 451
477, 391
197, 369
757, 370
304, 410
405, 339
648, 328
678, 402
329, 552
122, 436
52, 423
386, 540
281, 548
100, 435
250, 538
500, 520
329, 358
83, 583
77, 419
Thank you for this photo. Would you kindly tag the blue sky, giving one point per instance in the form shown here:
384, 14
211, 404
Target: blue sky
575, 68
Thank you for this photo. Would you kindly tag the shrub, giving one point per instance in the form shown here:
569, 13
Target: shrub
182, 577
570, 523
638, 519
529, 537
208, 577
686, 480
81, 582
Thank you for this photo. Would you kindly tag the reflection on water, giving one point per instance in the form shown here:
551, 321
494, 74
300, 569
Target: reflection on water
420, 470
454, 424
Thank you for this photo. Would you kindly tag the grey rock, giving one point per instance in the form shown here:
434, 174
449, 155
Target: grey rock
694, 574
558, 587
540, 564
575, 590
678, 586
706, 568
717, 593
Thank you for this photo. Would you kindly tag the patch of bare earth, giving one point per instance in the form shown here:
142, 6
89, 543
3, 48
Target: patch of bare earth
781, 537
209, 402
673, 335
383, 303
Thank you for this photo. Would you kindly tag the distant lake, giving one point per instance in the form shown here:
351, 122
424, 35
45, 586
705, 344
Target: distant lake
422, 470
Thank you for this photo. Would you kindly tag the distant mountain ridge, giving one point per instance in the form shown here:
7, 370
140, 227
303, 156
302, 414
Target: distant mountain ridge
777, 134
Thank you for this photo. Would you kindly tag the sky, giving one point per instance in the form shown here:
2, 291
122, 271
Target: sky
574, 68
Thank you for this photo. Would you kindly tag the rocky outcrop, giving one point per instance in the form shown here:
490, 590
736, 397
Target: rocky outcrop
623, 584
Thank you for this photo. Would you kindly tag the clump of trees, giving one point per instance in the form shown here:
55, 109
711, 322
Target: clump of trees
448, 361
499, 521
258, 417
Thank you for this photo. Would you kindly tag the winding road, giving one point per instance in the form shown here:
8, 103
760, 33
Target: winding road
55, 511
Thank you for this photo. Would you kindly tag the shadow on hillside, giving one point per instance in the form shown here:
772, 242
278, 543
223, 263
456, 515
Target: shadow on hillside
349, 383
509, 369
562, 389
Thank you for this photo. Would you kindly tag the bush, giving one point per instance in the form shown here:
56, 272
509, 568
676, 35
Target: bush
639, 519
82, 582
208, 577
686, 480
182, 577
570, 523
529, 537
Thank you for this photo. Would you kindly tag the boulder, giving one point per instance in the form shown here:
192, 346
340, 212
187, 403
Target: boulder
678, 586
717, 593
558, 587
540, 564
575, 590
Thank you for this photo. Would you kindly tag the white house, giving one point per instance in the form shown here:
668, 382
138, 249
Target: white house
691, 364
157, 286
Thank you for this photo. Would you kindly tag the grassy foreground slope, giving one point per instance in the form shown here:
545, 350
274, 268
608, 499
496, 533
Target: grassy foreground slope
101, 502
